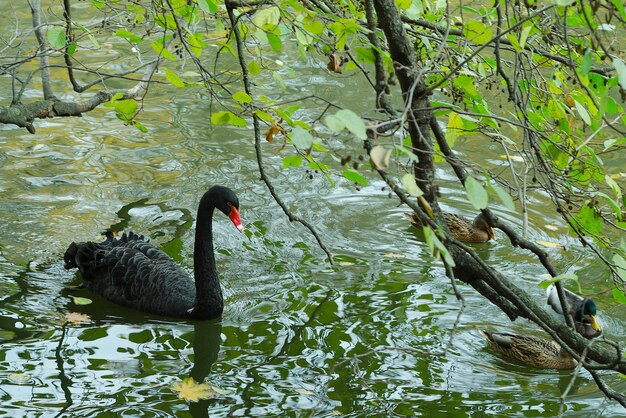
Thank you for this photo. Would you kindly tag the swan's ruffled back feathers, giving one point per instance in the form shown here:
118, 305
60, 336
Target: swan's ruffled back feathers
133, 273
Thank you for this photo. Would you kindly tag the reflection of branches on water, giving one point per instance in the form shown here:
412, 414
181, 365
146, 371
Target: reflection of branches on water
66, 382
14, 325
359, 374
207, 339
173, 251
297, 332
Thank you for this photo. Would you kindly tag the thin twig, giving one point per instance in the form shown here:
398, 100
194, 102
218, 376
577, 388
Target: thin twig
257, 138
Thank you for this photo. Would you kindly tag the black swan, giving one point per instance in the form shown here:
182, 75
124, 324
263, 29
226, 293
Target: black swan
133, 273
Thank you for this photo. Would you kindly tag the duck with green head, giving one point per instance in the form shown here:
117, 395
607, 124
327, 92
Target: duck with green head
583, 311
461, 228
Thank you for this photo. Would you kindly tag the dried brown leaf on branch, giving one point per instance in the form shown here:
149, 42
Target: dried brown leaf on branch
275, 129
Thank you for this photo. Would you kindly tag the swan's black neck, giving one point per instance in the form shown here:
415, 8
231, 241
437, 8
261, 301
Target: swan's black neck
209, 300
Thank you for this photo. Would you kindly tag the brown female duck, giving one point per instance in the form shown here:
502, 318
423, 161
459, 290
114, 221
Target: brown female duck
461, 227
530, 350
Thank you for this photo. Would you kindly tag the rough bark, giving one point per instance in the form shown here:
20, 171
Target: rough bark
415, 94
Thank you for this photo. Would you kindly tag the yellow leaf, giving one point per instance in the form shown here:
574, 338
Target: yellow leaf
334, 64
380, 157
191, 391
77, 318
549, 244
303, 391
394, 255
454, 129
19, 378
274, 130
513, 158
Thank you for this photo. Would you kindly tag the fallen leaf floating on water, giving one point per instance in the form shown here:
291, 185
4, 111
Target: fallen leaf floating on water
19, 378
394, 255
551, 227
77, 318
191, 391
303, 391
346, 263
81, 301
549, 244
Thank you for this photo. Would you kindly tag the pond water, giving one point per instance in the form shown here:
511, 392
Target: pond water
368, 336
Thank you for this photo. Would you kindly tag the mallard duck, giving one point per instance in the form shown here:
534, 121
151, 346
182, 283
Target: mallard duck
461, 227
583, 310
530, 350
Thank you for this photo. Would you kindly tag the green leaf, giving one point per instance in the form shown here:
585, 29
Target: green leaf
589, 220
267, 18
165, 20
524, 35
477, 32
242, 97
620, 68
274, 41
81, 301
365, 54
613, 203
294, 161
227, 118
614, 186
408, 181
582, 111
56, 37
619, 296
264, 116
620, 266
504, 196
303, 37
587, 62
195, 44
207, 6
354, 176
476, 193
561, 277
173, 78
254, 68
279, 79
139, 126
352, 122
301, 138
159, 46
129, 36
334, 123
127, 107
433, 243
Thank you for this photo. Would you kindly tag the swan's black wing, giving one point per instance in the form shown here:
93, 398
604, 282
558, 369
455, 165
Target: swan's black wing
133, 273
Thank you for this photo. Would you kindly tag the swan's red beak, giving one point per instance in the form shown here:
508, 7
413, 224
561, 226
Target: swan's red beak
234, 216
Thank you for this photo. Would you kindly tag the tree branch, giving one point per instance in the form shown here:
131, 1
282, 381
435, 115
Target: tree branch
35, 7
257, 136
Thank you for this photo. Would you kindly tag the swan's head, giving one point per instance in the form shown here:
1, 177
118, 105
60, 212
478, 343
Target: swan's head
227, 202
